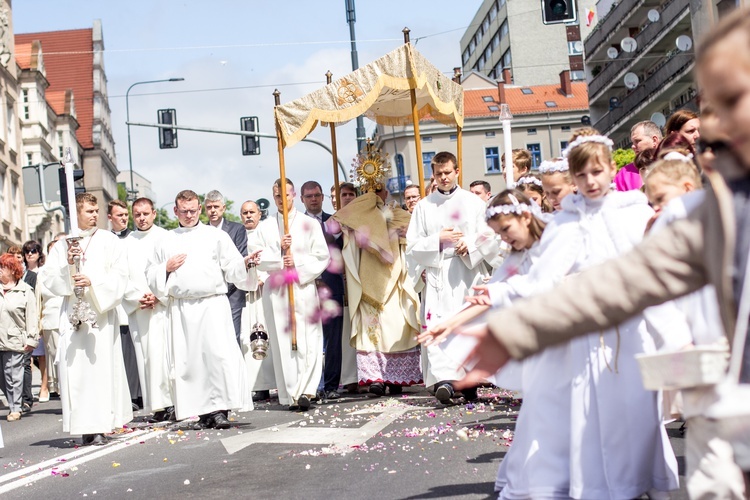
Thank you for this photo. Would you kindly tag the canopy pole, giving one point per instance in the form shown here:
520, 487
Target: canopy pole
415, 122
285, 214
334, 153
459, 137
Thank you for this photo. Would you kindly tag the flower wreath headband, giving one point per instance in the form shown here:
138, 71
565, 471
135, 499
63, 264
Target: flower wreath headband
516, 208
556, 165
529, 180
588, 138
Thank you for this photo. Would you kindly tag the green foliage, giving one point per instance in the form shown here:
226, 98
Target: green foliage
163, 219
622, 157
122, 192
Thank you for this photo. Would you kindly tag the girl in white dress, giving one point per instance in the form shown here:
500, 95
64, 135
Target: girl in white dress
616, 447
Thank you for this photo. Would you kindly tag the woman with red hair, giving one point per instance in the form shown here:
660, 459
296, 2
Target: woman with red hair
19, 331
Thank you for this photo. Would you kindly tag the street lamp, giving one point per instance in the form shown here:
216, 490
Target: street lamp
505, 118
127, 119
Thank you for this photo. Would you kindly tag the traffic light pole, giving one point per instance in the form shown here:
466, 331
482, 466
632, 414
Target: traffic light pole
235, 132
46, 206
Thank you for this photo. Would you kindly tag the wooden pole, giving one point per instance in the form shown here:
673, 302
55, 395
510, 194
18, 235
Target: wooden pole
335, 154
285, 214
415, 122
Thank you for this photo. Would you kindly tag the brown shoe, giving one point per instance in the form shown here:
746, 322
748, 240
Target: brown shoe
13, 416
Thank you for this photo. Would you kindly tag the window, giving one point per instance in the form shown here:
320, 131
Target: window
504, 29
488, 53
427, 161
565, 128
480, 63
472, 46
492, 160
531, 131
465, 56
488, 98
527, 91
495, 41
60, 145
493, 12
478, 37
536, 154
577, 76
506, 59
491, 133
486, 24
2, 191
426, 138
563, 145
400, 164
550, 104
14, 200
500, 3
25, 100
10, 114
493, 108
454, 137
575, 48
29, 159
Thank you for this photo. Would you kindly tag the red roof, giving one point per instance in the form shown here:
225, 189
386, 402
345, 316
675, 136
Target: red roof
69, 62
23, 55
56, 100
541, 99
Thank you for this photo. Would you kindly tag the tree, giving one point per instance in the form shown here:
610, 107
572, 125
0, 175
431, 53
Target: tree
622, 157
163, 219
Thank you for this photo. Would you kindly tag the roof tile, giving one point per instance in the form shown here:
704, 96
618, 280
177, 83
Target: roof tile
523, 104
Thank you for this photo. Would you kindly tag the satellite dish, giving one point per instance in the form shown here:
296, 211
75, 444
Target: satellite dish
263, 203
612, 53
578, 46
631, 80
659, 119
684, 43
628, 44
653, 15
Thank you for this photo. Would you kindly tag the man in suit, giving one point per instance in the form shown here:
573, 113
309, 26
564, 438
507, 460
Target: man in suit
215, 205
312, 198
118, 215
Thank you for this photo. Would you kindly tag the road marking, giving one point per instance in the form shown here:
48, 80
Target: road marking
344, 438
73, 459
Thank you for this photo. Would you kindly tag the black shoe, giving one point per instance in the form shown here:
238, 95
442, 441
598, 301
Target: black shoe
444, 393
204, 422
332, 395
470, 394
134, 406
394, 390
304, 403
93, 439
25, 408
164, 415
261, 395
319, 396
220, 420
352, 388
377, 388
54, 395
294, 407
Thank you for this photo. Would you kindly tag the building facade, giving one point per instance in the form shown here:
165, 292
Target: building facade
640, 59
12, 222
509, 34
543, 119
74, 61
141, 185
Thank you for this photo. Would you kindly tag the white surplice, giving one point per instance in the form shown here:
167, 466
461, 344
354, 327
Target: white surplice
147, 326
206, 366
297, 372
617, 446
93, 385
260, 376
449, 277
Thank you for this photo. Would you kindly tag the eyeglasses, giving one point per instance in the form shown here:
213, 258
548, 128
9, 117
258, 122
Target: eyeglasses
32, 251
312, 196
188, 212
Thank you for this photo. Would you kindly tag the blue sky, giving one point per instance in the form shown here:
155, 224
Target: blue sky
248, 48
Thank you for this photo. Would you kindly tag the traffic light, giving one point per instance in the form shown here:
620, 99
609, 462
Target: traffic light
559, 11
77, 176
250, 143
167, 136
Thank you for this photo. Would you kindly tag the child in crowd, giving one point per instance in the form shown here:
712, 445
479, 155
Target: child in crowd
556, 181
609, 408
531, 186
521, 163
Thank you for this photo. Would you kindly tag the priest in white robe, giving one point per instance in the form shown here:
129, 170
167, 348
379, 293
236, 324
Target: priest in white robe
447, 241
146, 314
93, 385
297, 372
190, 268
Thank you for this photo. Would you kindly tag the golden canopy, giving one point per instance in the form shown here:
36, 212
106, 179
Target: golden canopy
380, 91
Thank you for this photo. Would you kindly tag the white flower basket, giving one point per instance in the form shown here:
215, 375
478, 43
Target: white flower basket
699, 366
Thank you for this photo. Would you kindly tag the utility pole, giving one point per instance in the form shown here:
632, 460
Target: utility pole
351, 19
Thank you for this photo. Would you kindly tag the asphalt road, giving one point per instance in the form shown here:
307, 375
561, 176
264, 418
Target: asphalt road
388, 448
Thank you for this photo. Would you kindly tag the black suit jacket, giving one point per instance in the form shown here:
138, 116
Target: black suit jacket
332, 280
238, 233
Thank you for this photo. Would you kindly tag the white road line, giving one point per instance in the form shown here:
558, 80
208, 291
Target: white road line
342, 437
72, 460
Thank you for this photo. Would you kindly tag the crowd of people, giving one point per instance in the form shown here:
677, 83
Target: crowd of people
377, 296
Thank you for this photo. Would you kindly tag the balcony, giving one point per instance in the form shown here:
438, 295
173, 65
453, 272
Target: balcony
608, 24
664, 74
671, 12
